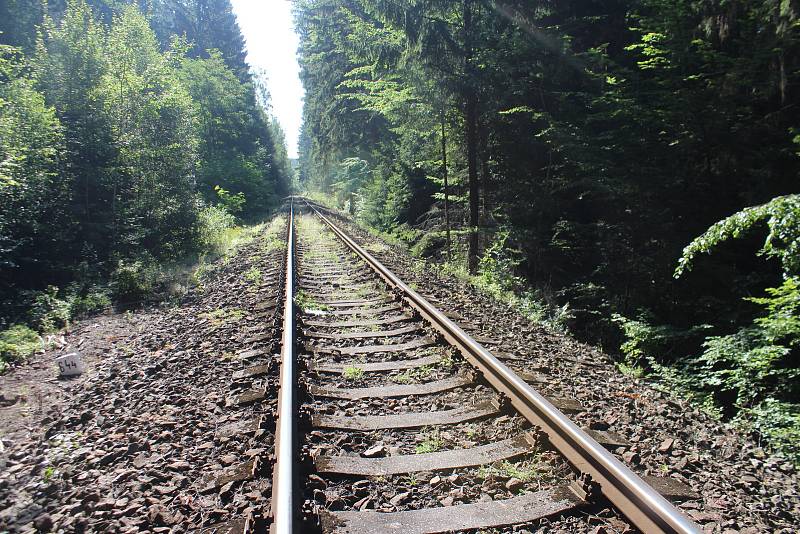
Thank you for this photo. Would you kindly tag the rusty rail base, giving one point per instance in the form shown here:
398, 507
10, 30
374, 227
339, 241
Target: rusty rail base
648, 510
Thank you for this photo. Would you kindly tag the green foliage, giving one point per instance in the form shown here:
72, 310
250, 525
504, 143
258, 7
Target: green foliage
307, 302
432, 443
778, 422
234, 203
497, 277
94, 300
351, 175
756, 365
782, 216
353, 374
524, 471
253, 276
646, 342
757, 361
113, 134
496, 267
48, 311
410, 376
17, 343
782, 322
217, 229
238, 150
48, 473
749, 375
134, 280
152, 119
32, 197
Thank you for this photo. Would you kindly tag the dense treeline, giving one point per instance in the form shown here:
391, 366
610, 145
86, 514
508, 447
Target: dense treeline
584, 145
131, 137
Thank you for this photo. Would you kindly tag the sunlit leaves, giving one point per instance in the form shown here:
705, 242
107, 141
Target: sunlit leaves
782, 216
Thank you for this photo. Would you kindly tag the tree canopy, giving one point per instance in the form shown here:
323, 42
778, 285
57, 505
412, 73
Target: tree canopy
586, 146
121, 123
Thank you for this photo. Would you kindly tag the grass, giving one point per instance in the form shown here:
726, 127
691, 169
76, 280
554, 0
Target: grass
413, 375
403, 378
225, 240
253, 275
447, 361
49, 472
273, 235
524, 471
432, 443
222, 316
314, 231
353, 373
17, 344
306, 302
633, 371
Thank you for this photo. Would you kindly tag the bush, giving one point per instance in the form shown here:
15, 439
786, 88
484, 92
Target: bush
749, 376
759, 361
48, 312
134, 280
646, 343
95, 300
217, 230
779, 423
232, 203
17, 343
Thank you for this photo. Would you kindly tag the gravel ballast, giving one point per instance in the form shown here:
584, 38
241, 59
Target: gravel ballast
156, 434
743, 488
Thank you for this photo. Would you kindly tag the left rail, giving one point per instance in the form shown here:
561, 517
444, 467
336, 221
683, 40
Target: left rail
283, 473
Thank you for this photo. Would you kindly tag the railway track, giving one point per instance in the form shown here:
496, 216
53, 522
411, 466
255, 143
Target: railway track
391, 418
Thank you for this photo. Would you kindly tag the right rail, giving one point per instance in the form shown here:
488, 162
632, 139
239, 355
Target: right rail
638, 501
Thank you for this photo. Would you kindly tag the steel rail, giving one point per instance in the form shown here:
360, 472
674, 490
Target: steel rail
648, 510
282, 505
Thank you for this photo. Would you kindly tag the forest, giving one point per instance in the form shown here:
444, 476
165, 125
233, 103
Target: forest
134, 140
623, 171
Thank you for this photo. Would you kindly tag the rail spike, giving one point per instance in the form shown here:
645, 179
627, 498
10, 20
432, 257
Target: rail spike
585, 488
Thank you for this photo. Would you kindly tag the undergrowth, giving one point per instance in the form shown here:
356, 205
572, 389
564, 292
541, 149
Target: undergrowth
746, 378
16, 344
131, 281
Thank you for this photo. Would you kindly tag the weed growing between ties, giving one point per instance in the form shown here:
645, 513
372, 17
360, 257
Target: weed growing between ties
432, 442
411, 376
253, 277
308, 303
353, 374
526, 471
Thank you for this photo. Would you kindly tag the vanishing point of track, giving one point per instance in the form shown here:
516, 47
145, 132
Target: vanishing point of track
360, 323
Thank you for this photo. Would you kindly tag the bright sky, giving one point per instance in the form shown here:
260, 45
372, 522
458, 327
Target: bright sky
272, 46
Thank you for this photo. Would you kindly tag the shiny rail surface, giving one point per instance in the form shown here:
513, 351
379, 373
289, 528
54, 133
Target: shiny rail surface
635, 499
283, 509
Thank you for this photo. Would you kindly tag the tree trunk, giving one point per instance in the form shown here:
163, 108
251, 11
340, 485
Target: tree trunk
471, 119
444, 175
